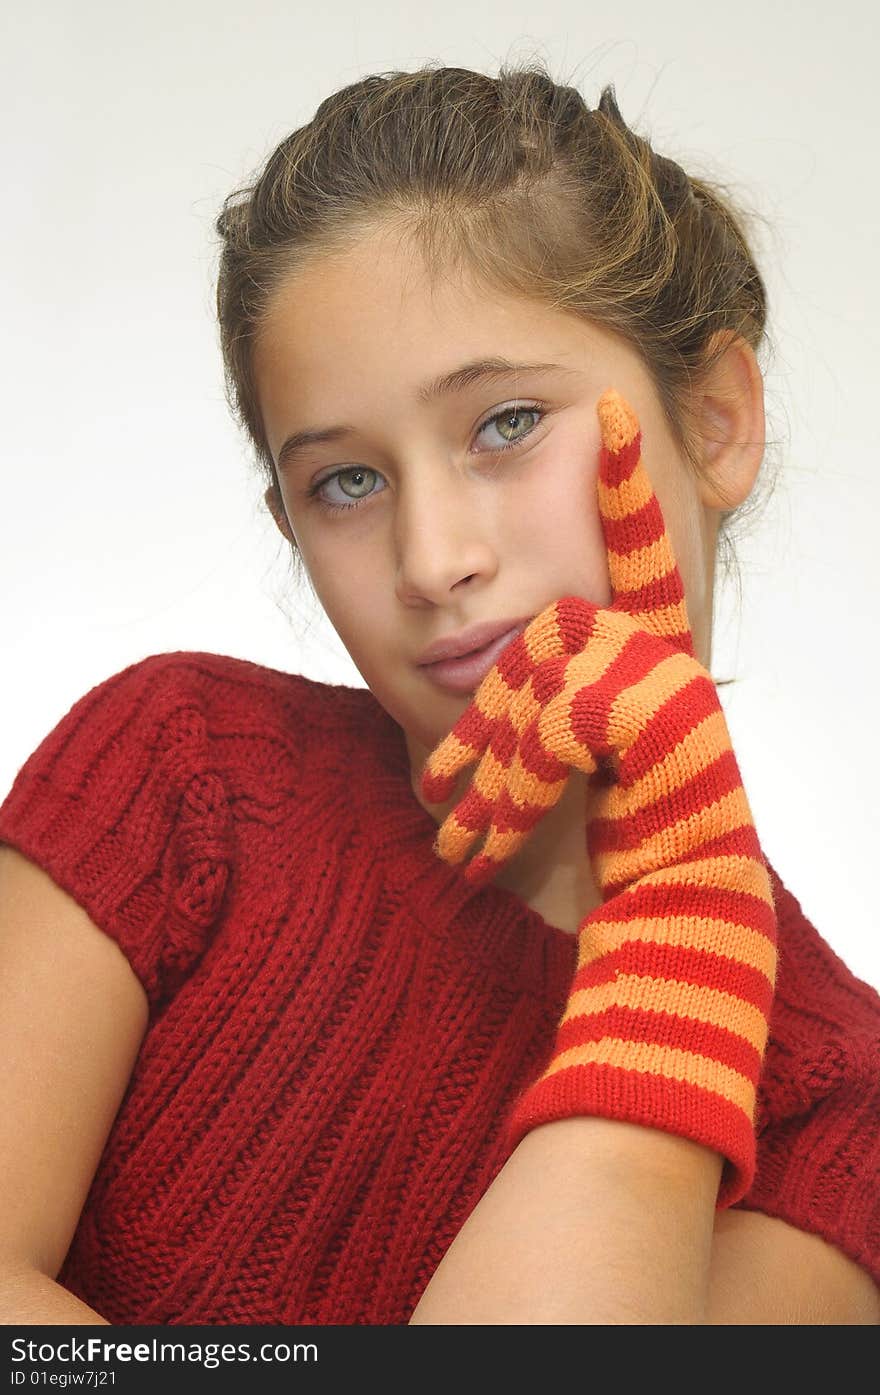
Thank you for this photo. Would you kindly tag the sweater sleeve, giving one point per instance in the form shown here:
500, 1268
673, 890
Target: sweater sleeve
818, 1125
119, 804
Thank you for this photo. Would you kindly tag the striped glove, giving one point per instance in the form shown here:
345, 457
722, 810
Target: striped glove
667, 1018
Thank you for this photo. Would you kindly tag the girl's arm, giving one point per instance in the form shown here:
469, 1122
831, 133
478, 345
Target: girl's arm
765, 1271
598, 1221
28, 1297
72, 1017
590, 1220
594, 1219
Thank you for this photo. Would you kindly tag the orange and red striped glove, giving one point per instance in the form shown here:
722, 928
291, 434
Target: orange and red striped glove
667, 1018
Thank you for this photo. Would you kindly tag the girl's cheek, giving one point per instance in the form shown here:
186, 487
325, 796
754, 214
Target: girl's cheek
560, 521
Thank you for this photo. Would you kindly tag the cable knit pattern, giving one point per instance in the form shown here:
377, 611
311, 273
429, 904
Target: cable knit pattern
340, 1025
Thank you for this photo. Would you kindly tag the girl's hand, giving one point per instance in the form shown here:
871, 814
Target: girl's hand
538, 712
667, 1019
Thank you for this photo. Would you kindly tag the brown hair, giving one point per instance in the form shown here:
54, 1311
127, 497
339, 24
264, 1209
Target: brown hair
517, 180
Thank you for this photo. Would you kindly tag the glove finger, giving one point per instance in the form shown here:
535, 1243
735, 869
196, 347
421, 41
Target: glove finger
512, 822
475, 728
458, 749
473, 813
572, 730
585, 721
516, 783
462, 827
562, 628
443, 766
554, 724
645, 578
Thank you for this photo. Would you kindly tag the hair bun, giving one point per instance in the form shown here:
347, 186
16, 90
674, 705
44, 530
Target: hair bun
673, 184
674, 188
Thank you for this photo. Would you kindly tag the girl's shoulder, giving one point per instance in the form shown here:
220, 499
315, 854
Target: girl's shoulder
223, 685
181, 701
131, 802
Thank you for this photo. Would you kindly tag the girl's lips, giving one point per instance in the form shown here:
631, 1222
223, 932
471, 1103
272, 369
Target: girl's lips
464, 674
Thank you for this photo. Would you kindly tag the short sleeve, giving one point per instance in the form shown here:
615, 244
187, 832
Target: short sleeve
818, 1166
121, 807
818, 1120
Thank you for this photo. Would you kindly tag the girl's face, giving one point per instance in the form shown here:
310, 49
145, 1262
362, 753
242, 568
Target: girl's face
413, 522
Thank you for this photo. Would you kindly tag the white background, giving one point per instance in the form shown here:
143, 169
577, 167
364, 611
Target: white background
131, 519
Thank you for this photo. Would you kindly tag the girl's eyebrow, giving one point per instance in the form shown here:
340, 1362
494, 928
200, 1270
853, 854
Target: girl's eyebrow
482, 370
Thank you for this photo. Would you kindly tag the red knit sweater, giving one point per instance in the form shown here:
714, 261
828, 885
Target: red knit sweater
338, 1021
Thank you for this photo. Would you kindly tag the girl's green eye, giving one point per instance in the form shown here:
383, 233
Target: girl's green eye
364, 478
507, 418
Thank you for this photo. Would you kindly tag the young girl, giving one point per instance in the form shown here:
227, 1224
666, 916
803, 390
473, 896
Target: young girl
469, 996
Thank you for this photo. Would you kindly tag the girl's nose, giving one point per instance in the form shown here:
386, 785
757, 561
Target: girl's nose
443, 540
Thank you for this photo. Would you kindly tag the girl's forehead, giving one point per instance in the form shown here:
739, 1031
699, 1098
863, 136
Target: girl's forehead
372, 314
392, 285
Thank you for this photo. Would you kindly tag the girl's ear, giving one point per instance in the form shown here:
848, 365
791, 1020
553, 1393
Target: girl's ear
729, 416
275, 505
